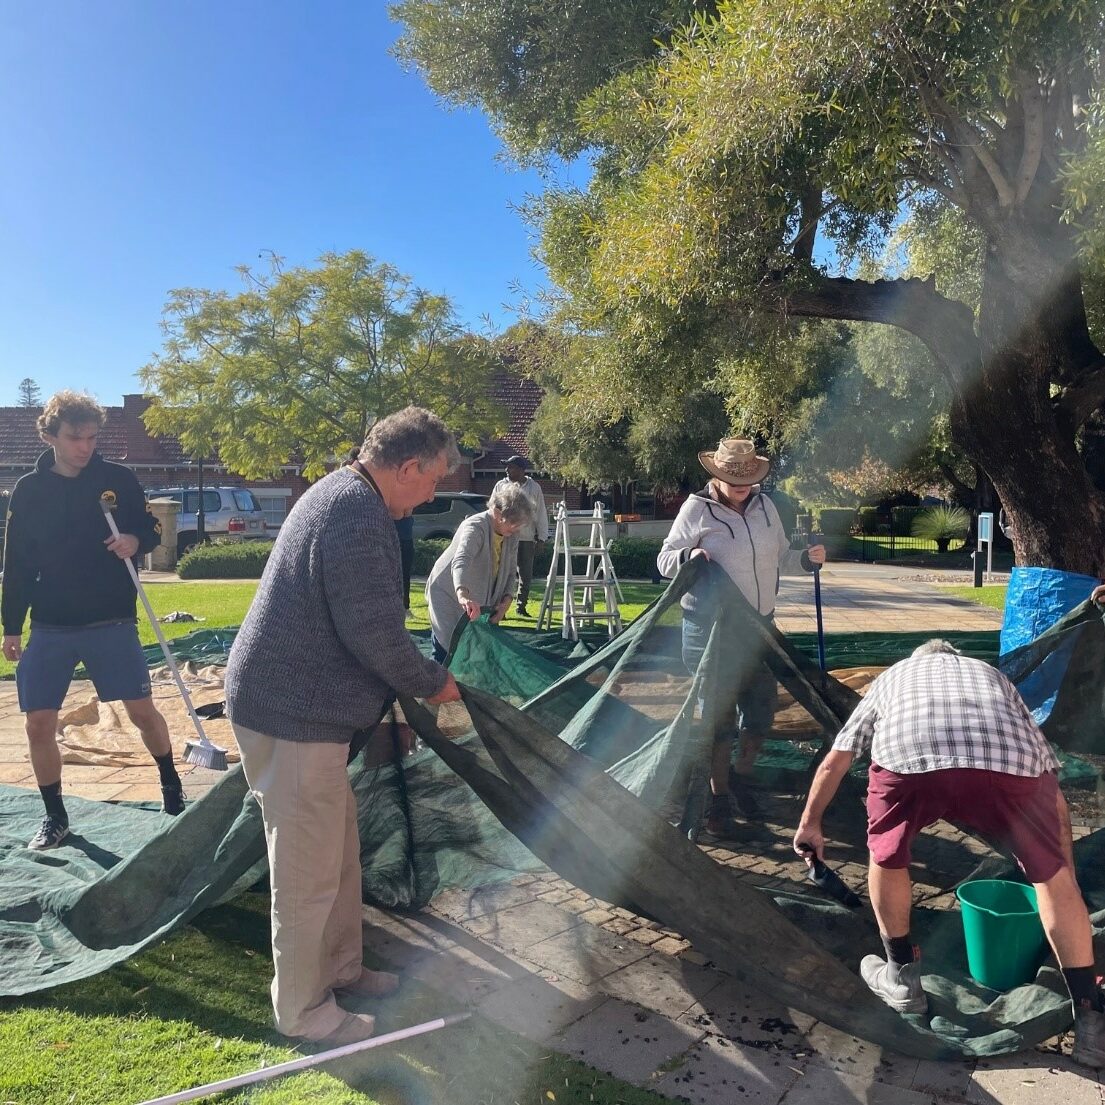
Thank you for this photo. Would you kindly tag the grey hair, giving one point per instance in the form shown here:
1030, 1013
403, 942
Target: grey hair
413, 433
936, 645
512, 504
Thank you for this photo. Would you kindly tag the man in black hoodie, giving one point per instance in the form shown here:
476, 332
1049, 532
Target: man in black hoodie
62, 563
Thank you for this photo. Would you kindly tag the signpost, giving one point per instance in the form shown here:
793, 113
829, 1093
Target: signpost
985, 536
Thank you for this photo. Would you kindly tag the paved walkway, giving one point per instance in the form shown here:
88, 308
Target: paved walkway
626, 995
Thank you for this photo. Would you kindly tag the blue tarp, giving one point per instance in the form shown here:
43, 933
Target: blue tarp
1036, 599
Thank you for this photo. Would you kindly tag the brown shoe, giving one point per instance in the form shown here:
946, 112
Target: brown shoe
355, 1027
371, 984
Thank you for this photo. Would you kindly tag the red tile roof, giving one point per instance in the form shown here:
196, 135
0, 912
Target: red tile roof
124, 436
521, 398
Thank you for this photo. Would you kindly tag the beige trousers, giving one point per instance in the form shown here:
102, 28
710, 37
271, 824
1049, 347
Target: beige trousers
310, 817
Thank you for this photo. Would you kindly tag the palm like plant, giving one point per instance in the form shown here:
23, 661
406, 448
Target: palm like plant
942, 524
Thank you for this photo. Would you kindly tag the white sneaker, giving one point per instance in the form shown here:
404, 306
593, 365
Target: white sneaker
898, 986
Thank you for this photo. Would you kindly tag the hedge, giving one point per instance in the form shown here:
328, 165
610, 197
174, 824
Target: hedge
632, 557
237, 560
426, 552
836, 521
869, 520
903, 517
635, 557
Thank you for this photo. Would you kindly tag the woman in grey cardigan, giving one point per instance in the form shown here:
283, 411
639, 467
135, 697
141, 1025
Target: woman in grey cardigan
478, 568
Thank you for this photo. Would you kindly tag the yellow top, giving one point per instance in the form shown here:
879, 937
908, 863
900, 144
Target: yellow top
496, 553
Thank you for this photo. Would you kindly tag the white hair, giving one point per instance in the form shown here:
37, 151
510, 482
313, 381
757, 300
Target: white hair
936, 645
512, 504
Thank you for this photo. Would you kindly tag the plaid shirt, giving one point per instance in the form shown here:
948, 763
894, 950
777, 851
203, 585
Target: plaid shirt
929, 713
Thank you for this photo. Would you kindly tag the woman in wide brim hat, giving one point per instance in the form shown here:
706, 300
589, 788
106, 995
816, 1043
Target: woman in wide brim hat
733, 524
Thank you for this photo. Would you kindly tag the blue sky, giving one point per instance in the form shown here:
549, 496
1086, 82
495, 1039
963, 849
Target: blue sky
146, 146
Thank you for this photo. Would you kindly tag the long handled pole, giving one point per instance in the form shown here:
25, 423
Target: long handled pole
307, 1061
157, 631
817, 539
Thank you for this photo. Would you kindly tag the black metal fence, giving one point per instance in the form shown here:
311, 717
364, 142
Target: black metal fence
870, 548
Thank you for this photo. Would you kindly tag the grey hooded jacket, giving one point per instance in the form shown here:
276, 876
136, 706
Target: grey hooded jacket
752, 547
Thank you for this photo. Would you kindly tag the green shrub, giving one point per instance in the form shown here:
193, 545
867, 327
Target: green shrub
426, 552
634, 557
788, 508
942, 524
837, 521
226, 560
901, 519
869, 520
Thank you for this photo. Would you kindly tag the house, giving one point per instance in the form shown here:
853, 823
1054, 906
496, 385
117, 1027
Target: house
160, 461
156, 461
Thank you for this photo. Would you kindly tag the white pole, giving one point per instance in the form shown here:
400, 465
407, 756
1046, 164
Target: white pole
307, 1061
157, 632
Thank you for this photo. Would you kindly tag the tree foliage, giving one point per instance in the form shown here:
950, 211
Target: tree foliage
300, 363
30, 394
956, 145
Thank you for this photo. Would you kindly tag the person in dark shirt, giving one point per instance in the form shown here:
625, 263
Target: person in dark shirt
62, 563
404, 528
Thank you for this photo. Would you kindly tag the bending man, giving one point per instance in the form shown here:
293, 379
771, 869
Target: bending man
949, 737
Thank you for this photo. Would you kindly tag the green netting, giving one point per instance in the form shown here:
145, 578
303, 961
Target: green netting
592, 763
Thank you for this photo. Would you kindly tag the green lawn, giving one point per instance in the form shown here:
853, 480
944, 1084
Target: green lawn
223, 604
196, 1009
637, 597
219, 603
992, 595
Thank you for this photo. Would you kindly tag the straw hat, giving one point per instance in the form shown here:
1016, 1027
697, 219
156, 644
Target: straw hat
735, 462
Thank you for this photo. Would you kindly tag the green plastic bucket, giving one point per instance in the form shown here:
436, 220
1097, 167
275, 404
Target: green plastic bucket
1001, 925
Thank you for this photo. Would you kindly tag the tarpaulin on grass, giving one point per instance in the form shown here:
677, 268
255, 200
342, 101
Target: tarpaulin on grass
586, 763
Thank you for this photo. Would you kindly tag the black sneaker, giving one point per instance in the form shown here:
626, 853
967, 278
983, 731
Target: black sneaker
172, 799
720, 822
50, 835
745, 799
1089, 1038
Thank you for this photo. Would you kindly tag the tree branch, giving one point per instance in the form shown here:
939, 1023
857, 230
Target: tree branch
1076, 403
946, 326
1033, 108
971, 139
810, 207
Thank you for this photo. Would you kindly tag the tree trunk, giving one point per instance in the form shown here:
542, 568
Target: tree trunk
1008, 422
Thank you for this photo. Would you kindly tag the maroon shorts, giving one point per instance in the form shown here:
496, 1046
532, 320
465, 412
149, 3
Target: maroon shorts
1016, 812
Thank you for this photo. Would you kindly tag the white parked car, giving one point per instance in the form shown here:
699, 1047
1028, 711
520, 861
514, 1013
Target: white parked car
228, 512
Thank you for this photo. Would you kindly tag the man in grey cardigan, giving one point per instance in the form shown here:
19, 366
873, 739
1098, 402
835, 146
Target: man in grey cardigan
320, 655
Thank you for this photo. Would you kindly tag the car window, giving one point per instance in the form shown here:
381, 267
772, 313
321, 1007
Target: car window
244, 500
212, 504
440, 505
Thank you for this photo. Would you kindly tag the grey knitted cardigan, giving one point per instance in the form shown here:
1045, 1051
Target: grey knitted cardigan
324, 644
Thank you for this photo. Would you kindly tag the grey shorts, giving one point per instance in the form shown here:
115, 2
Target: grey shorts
110, 652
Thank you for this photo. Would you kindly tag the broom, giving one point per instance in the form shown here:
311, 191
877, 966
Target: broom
203, 753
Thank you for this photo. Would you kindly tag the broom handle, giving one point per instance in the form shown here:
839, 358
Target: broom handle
817, 539
160, 636
308, 1061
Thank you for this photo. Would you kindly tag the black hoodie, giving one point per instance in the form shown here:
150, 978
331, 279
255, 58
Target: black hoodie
55, 560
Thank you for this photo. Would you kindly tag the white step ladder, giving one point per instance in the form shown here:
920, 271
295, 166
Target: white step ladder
578, 601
